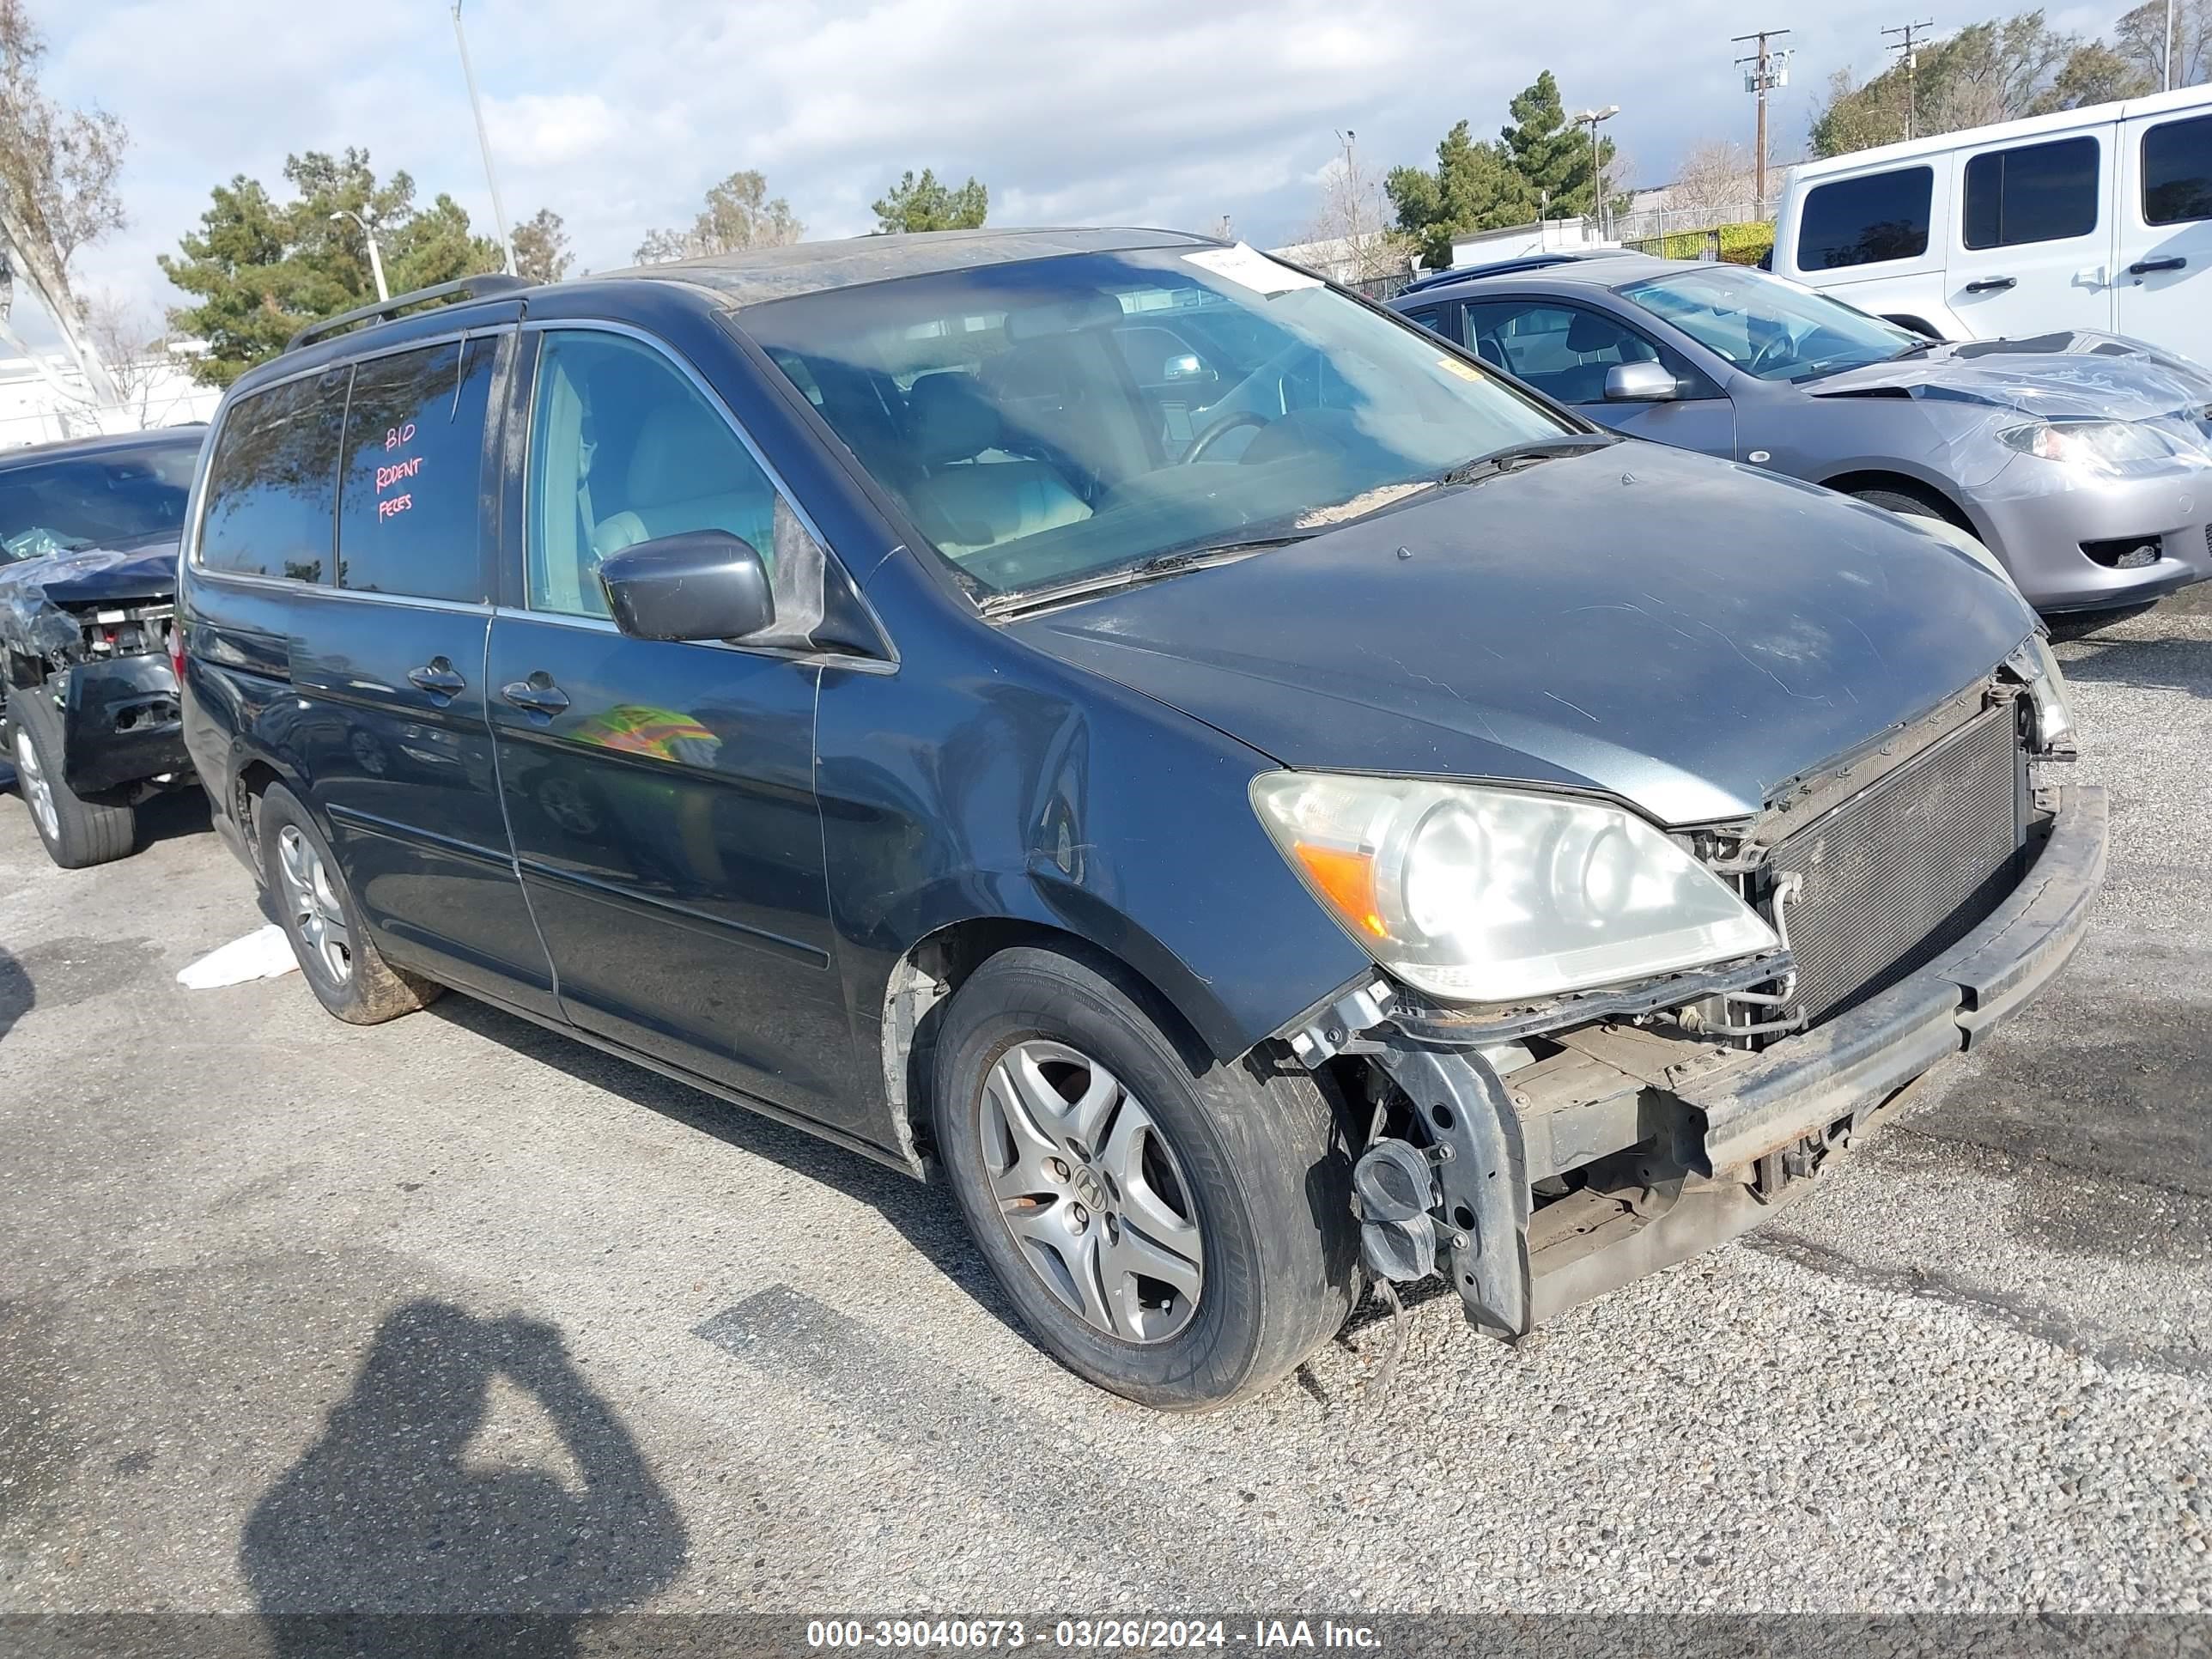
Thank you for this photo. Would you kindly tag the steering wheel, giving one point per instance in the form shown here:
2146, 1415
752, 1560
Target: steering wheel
1779, 342
1219, 430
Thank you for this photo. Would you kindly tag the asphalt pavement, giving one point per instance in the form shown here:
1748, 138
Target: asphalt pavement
455, 1313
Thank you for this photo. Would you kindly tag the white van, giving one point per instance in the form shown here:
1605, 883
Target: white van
2096, 218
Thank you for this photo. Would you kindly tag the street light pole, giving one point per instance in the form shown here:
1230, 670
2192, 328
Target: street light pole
375, 258
1591, 118
2169, 46
483, 143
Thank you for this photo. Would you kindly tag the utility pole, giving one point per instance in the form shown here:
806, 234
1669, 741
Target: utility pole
1906, 46
483, 143
2169, 46
1766, 70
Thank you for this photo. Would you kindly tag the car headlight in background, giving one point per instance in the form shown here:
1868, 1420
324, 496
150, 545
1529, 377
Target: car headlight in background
2038, 667
2106, 445
1484, 895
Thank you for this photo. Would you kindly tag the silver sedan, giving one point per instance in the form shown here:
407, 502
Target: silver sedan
2084, 461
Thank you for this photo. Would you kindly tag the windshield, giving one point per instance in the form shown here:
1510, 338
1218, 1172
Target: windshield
1768, 326
112, 499
1055, 420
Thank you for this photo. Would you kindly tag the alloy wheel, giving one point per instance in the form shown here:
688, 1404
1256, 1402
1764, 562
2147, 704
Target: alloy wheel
38, 793
1091, 1192
317, 915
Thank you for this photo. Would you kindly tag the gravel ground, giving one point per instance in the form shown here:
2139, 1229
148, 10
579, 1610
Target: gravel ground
452, 1313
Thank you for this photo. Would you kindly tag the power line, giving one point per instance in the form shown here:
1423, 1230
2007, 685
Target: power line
1768, 69
1906, 46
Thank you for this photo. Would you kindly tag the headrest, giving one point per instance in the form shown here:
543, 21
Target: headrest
1062, 316
683, 452
1591, 333
951, 417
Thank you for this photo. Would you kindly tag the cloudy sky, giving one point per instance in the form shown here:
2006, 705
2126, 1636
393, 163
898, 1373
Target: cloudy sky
1150, 111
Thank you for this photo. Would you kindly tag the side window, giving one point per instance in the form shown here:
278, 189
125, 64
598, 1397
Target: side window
1449, 320
623, 449
1562, 350
1866, 221
409, 516
2177, 169
2032, 193
272, 481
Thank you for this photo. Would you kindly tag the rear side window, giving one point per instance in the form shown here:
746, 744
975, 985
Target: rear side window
409, 521
272, 480
1446, 320
2177, 169
1866, 221
2033, 193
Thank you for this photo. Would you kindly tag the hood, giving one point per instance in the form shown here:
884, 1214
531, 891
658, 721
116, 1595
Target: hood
135, 570
1680, 633
2073, 375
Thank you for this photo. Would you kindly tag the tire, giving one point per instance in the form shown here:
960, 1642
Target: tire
77, 833
343, 966
1894, 501
1255, 1162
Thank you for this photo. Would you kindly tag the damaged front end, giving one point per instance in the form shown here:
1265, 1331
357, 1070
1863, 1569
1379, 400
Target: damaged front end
1921, 890
93, 632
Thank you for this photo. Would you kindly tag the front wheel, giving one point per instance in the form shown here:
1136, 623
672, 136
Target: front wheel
1172, 1230
77, 833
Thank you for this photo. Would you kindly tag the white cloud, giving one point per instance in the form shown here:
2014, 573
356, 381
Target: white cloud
1155, 112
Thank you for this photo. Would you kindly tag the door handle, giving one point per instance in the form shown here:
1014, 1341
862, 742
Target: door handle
438, 678
537, 698
2144, 267
1993, 285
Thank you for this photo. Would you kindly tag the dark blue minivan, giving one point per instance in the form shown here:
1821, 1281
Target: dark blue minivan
1256, 800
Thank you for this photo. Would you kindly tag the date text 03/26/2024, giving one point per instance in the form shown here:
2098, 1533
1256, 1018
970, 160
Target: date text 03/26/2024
1086, 1634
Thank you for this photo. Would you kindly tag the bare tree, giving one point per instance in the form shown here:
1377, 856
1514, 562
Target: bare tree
134, 349
739, 213
1717, 179
1354, 224
2141, 36
58, 172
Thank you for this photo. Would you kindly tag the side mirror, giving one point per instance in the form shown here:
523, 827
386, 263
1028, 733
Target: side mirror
1640, 383
699, 584
1185, 366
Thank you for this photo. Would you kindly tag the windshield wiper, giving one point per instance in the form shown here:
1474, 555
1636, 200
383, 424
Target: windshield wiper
1913, 349
1171, 563
1514, 456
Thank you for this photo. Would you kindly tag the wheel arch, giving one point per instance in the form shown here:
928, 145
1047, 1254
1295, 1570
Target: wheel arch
1934, 495
925, 975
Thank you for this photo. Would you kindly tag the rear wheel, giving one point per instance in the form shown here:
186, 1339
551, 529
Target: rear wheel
77, 833
343, 966
1170, 1229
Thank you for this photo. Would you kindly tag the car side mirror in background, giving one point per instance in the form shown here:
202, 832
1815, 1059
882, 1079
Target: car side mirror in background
699, 584
1187, 367
1640, 383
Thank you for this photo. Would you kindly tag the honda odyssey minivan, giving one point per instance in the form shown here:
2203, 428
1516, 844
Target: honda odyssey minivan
1255, 800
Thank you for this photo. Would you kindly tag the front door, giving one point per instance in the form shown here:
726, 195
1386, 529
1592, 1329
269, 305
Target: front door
391, 728
2164, 261
661, 795
2033, 241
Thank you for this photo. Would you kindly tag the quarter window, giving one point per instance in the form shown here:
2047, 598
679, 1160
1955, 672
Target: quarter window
1866, 221
272, 480
408, 518
2177, 169
623, 449
2032, 193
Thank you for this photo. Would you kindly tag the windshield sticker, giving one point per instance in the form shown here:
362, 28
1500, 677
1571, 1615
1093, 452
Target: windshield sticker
1247, 267
1465, 371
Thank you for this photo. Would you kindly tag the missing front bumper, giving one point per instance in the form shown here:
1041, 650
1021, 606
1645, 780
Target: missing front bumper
1695, 1150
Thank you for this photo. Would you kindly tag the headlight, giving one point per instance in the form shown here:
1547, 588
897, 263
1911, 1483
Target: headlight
1482, 895
2106, 445
2038, 667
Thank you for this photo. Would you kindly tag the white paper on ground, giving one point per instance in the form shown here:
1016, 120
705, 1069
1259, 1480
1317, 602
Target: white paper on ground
1247, 267
262, 954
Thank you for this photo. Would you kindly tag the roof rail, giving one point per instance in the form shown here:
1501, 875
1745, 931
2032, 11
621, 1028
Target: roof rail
1500, 267
494, 282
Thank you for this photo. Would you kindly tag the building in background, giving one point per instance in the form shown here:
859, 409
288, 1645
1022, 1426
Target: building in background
157, 387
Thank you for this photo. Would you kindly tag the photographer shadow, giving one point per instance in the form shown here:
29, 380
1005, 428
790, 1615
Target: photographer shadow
383, 1540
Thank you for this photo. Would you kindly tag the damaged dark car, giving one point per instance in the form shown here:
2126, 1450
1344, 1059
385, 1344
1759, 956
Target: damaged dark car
1255, 801
88, 531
